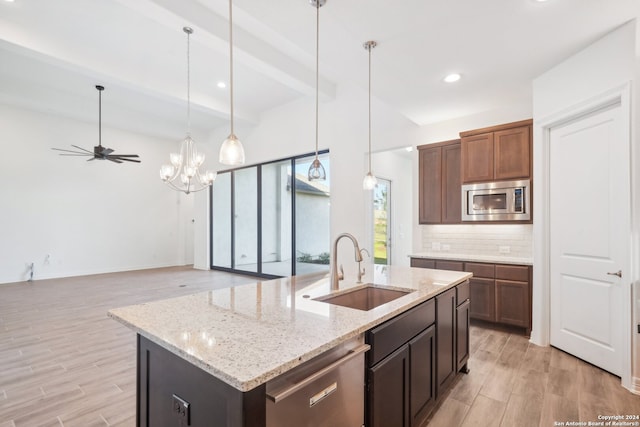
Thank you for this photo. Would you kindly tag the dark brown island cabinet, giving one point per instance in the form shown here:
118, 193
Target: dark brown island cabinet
413, 359
499, 293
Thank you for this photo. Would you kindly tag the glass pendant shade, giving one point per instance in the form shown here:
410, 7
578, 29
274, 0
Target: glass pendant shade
369, 182
316, 171
232, 152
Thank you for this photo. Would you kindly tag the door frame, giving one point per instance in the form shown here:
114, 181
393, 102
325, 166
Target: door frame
541, 331
389, 223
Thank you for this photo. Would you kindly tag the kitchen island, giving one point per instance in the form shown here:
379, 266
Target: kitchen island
230, 343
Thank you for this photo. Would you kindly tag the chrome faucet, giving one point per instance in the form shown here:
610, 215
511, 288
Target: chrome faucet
335, 276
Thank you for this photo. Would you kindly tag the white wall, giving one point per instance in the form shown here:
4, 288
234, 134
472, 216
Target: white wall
90, 217
608, 63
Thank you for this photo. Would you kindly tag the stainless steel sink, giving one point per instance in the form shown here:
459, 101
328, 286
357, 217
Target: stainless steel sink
364, 298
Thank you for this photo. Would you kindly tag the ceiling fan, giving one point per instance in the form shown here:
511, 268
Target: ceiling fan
99, 152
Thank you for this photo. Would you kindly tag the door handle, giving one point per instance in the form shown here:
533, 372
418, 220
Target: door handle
617, 273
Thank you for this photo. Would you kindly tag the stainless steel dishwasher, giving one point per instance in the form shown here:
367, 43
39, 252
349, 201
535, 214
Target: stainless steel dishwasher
327, 391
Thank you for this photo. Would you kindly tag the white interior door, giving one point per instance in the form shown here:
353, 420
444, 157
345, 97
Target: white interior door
589, 236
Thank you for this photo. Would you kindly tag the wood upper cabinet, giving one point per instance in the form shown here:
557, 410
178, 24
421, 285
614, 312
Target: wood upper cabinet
451, 185
477, 158
512, 153
497, 153
430, 185
439, 183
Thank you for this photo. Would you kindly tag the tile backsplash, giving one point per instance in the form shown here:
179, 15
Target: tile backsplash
512, 240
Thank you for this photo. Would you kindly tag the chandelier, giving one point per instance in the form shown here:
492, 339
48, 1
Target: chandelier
183, 174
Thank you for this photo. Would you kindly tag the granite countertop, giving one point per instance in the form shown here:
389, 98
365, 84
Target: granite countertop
496, 259
247, 335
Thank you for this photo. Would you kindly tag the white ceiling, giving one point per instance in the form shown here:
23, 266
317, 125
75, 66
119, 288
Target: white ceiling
52, 53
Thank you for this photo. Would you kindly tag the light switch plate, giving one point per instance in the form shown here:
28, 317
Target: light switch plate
504, 249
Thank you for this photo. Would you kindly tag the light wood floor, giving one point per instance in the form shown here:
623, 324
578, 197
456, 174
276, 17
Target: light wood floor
63, 362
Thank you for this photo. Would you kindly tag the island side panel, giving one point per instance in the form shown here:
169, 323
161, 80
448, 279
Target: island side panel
161, 375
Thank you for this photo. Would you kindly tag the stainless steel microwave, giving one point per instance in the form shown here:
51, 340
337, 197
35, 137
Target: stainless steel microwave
497, 201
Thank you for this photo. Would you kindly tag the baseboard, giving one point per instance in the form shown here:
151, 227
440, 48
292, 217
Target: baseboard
635, 385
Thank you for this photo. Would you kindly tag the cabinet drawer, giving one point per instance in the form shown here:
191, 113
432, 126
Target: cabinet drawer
519, 273
423, 263
480, 269
389, 336
449, 265
462, 292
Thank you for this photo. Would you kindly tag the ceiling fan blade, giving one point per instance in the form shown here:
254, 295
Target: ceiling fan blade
123, 158
106, 151
83, 149
91, 159
126, 155
74, 154
69, 151
111, 159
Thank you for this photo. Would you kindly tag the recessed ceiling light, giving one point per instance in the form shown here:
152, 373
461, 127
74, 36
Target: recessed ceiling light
409, 149
9, 1
454, 77
222, 85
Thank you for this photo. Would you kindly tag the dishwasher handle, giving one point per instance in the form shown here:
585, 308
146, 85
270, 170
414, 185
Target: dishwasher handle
278, 395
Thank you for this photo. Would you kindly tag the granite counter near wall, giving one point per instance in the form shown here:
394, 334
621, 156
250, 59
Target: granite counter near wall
489, 242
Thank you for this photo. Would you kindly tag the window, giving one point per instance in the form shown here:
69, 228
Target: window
269, 220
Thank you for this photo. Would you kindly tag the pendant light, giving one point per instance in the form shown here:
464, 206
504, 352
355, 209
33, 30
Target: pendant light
186, 163
370, 180
231, 152
316, 170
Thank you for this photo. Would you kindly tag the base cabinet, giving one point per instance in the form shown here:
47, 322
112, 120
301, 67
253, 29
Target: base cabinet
388, 391
422, 362
498, 293
408, 372
446, 339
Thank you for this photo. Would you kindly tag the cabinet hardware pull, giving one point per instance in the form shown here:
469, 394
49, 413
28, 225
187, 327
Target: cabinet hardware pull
281, 394
617, 273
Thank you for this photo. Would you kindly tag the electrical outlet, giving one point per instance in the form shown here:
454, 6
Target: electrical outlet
435, 246
504, 249
181, 409
446, 247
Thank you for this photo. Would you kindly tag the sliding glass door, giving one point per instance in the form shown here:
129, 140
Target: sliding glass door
270, 220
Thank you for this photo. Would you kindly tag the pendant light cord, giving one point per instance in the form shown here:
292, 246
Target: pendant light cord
369, 49
231, 61
317, 66
188, 31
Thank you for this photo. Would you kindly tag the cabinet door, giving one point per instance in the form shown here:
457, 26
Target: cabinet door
477, 158
512, 302
430, 185
388, 394
462, 334
512, 153
451, 187
483, 297
422, 357
446, 339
